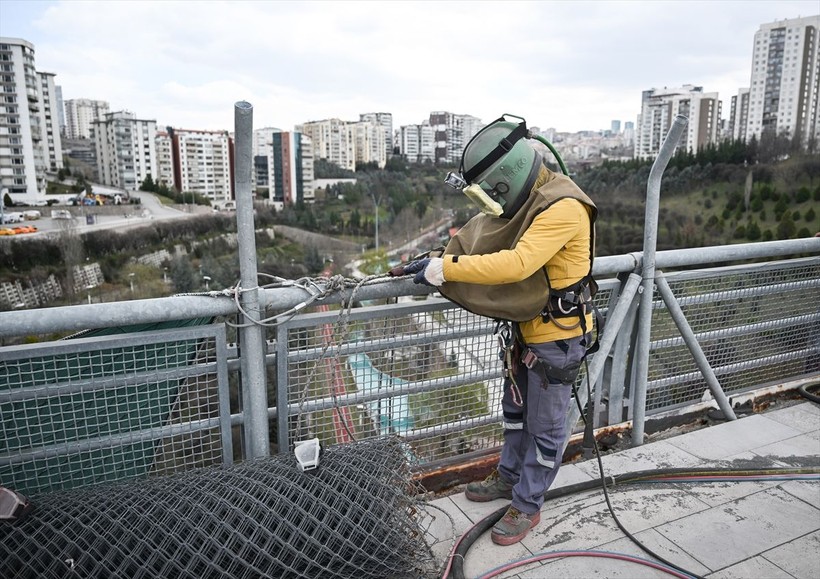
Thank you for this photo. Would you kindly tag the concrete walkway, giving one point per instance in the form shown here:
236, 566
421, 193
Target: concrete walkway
727, 529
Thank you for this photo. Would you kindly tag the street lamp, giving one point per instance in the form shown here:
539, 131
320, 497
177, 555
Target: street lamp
131, 280
207, 279
165, 274
376, 201
88, 289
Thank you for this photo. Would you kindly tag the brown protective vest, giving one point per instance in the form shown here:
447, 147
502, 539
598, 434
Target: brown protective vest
524, 300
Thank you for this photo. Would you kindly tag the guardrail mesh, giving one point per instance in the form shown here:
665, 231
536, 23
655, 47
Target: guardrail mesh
95, 409
756, 324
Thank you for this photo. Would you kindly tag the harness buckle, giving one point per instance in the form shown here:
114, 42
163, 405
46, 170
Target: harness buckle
529, 359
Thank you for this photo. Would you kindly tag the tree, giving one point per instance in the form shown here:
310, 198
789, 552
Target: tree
786, 228
183, 275
148, 184
7, 201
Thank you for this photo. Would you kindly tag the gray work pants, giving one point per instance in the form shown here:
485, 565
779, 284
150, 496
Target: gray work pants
534, 432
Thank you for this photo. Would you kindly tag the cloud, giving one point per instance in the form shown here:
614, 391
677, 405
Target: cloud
571, 65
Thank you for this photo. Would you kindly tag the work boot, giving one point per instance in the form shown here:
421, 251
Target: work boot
514, 526
492, 487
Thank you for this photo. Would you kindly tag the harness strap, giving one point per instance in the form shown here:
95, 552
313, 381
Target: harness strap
546, 370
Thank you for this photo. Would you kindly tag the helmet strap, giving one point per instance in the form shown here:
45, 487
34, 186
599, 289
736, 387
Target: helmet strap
504, 146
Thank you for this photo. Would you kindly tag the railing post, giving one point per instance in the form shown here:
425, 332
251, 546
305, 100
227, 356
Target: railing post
252, 336
650, 242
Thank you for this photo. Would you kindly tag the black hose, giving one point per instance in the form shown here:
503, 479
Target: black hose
804, 392
467, 540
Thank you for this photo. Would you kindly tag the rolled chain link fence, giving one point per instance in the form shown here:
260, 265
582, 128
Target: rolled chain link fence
358, 516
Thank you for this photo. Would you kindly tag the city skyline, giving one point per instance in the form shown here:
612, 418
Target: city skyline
297, 62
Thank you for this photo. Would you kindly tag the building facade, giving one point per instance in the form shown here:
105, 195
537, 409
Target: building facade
292, 179
126, 149
370, 143
384, 120
165, 160
333, 140
738, 116
785, 80
80, 116
203, 163
452, 132
29, 132
659, 107
417, 143
50, 122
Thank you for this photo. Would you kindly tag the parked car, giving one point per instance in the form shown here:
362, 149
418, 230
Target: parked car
7, 231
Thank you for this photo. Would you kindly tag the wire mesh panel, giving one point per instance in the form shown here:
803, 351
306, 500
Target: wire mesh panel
84, 411
418, 369
358, 516
756, 324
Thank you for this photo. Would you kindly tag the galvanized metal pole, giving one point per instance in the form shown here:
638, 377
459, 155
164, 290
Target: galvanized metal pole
692, 342
650, 242
614, 321
252, 337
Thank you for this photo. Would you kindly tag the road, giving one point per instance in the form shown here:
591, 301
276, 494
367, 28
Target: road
148, 210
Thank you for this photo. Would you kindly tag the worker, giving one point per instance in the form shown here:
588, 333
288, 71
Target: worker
526, 259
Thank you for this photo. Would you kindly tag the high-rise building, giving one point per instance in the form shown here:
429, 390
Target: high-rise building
165, 160
29, 136
739, 116
370, 147
203, 163
50, 122
126, 149
615, 127
785, 82
385, 120
283, 166
452, 132
417, 143
81, 114
659, 107
333, 140
292, 159
60, 109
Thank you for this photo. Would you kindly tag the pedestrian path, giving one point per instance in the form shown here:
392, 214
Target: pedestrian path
718, 530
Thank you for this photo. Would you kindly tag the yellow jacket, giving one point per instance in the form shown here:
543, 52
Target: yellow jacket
559, 240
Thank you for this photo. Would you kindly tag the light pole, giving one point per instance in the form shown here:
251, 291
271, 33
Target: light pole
376, 201
207, 279
131, 281
165, 274
88, 289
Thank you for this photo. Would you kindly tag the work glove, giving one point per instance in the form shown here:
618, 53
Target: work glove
429, 271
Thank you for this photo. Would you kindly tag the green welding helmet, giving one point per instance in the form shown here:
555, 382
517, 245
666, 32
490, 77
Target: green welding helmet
501, 161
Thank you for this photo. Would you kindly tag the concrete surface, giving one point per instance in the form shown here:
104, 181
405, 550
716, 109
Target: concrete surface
719, 530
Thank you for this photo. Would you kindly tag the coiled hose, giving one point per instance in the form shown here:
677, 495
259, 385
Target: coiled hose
456, 569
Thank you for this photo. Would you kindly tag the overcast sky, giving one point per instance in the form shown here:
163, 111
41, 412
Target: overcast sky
569, 65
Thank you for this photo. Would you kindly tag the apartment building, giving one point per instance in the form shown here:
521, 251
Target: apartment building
785, 80
370, 143
417, 143
333, 140
659, 107
385, 120
50, 122
452, 132
29, 136
203, 163
80, 116
165, 160
126, 149
739, 116
283, 166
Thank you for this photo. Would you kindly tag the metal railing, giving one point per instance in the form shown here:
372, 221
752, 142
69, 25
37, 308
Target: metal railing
361, 359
